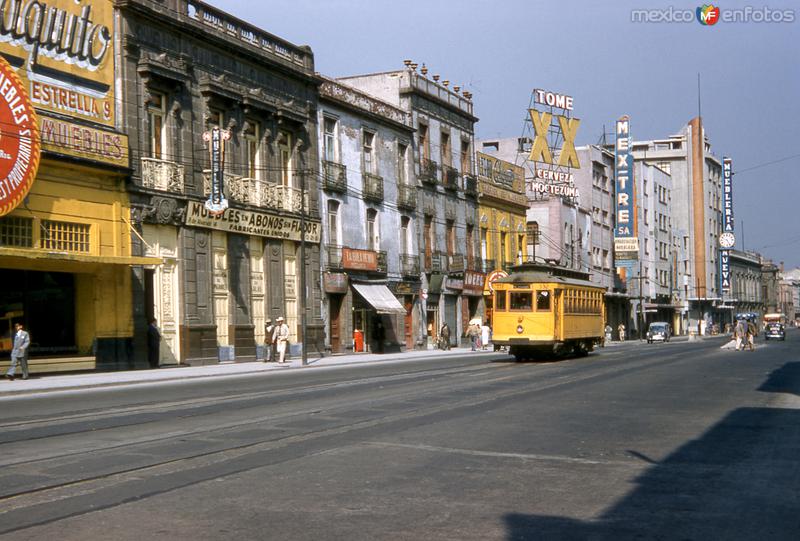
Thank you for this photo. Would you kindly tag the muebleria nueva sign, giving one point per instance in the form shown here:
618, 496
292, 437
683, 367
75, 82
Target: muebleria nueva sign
20, 148
65, 53
251, 223
727, 239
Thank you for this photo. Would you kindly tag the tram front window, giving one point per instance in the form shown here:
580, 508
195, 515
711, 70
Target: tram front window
521, 300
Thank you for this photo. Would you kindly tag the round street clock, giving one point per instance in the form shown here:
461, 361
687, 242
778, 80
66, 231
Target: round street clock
727, 240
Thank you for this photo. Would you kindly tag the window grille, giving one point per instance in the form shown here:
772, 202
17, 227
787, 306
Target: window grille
17, 232
65, 236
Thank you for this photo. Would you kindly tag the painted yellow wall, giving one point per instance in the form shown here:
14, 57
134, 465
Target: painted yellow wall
71, 193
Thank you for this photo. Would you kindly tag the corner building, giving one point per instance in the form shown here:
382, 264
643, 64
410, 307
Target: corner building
65, 250
184, 69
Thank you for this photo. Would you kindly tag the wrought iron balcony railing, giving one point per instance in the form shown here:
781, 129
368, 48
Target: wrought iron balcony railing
162, 175
439, 262
456, 263
450, 178
334, 176
427, 170
471, 185
406, 196
334, 252
383, 264
409, 265
488, 265
262, 194
450, 212
373, 187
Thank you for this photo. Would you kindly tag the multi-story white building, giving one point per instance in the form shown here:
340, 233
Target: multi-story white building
696, 201
368, 202
443, 121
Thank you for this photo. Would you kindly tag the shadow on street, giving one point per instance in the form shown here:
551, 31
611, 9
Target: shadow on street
739, 480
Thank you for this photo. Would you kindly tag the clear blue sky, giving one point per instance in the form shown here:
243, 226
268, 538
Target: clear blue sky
501, 50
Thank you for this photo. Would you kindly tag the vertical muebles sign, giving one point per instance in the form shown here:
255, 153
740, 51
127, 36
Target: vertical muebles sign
727, 240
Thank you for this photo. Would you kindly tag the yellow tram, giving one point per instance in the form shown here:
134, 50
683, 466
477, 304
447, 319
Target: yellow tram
545, 309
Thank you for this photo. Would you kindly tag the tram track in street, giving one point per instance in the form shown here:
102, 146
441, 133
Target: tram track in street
377, 412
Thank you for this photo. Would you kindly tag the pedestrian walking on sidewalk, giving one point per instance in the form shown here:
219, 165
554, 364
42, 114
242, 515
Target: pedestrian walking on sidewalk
268, 341
621, 330
474, 333
485, 331
19, 352
444, 337
282, 337
153, 343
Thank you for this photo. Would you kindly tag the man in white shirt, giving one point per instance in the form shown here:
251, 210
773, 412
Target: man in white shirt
281, 336
19, 353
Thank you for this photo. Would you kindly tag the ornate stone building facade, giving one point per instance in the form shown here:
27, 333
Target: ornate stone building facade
444, 142
369, 207
184, 69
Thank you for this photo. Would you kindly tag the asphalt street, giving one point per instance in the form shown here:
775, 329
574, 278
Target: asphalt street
683, 440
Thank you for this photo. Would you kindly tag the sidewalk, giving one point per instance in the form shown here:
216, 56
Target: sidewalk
48, 383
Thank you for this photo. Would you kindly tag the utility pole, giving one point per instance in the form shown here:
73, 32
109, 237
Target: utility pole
303, 293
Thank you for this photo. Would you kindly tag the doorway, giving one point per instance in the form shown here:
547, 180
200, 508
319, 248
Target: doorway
335, 303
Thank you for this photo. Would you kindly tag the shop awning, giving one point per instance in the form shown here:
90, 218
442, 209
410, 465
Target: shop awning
380, 298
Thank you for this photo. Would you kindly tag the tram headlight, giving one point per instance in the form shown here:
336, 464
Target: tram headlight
519, 329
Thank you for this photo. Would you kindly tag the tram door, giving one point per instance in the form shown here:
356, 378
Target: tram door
557, 313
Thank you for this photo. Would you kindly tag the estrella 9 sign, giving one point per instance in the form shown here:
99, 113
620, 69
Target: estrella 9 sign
20, 147
708, 14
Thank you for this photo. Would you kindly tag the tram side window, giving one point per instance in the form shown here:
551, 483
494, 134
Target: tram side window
521, 300
500, 300
543, 301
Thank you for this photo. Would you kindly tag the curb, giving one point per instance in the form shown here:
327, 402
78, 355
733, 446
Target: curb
181, 374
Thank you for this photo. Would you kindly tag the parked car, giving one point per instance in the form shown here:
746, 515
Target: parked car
658, 331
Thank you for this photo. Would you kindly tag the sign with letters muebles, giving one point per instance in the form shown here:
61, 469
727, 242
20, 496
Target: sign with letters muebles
626, 242
727, 239
20, 146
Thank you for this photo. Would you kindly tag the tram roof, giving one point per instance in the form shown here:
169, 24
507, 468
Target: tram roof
539, 273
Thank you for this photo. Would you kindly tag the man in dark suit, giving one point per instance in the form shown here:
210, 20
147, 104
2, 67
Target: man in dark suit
19, 353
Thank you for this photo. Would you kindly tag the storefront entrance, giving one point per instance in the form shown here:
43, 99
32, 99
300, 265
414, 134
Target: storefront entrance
335, 304
45, 303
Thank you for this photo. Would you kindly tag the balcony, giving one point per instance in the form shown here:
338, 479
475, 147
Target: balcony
256, 192
162, 175
279, 197
428, 204
471, 185
427, 170
334, 252
450, 210
406, 196
450, 178
456, 263
334, 177
439, 262
409, 265
383, 266
373, 187
488, 265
